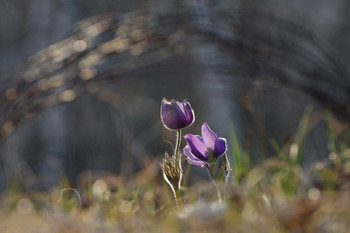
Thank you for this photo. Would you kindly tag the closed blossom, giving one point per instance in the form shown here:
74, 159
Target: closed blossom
176, 115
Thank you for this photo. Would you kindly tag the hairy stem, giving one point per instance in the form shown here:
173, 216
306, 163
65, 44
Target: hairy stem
178, 162
218, 185
178, 198
218, 190
177, 146
176, 193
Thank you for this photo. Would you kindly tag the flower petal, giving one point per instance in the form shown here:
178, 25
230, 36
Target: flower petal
181, 116
193, 159
165, 102
209, 136
180, 105
197, 162
196, 146
220, 147
171, 115
175, 114
189, 113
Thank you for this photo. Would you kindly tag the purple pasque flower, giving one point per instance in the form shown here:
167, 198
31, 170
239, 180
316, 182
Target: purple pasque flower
200, 150
176, 115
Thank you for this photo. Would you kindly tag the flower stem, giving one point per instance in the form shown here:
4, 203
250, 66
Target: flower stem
217, 186
218, 190
175, 192
178, 198
177, 146
178, 163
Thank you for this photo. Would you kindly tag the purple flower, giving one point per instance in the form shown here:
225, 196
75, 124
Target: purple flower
176, 115
199, 149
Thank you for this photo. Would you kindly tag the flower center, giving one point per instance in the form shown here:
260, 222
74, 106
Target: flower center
210, 155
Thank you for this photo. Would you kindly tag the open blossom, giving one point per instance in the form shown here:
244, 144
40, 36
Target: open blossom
176, 115
200, 150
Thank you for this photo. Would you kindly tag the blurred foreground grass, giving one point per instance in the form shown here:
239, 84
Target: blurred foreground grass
277, 195
273, 197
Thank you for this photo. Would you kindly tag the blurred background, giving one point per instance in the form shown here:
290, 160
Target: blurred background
82, 80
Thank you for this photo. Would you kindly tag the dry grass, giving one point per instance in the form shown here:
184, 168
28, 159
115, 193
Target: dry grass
272, 197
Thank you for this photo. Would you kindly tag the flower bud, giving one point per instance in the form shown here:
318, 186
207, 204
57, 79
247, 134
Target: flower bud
172, 172
176, 115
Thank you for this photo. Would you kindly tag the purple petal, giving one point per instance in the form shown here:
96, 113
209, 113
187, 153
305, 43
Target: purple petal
188, 113
175, 114
197, 162
220, 147
209, 136
180, 114
171, 115
191, 158
196, 146
186, 151
181, 106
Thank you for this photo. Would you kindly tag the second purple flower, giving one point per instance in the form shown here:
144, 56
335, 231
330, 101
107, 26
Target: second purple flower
201, 149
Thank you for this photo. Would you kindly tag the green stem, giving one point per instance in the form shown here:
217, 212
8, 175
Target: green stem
178, 198
218, 190
177, 145
176, 193
178, 162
